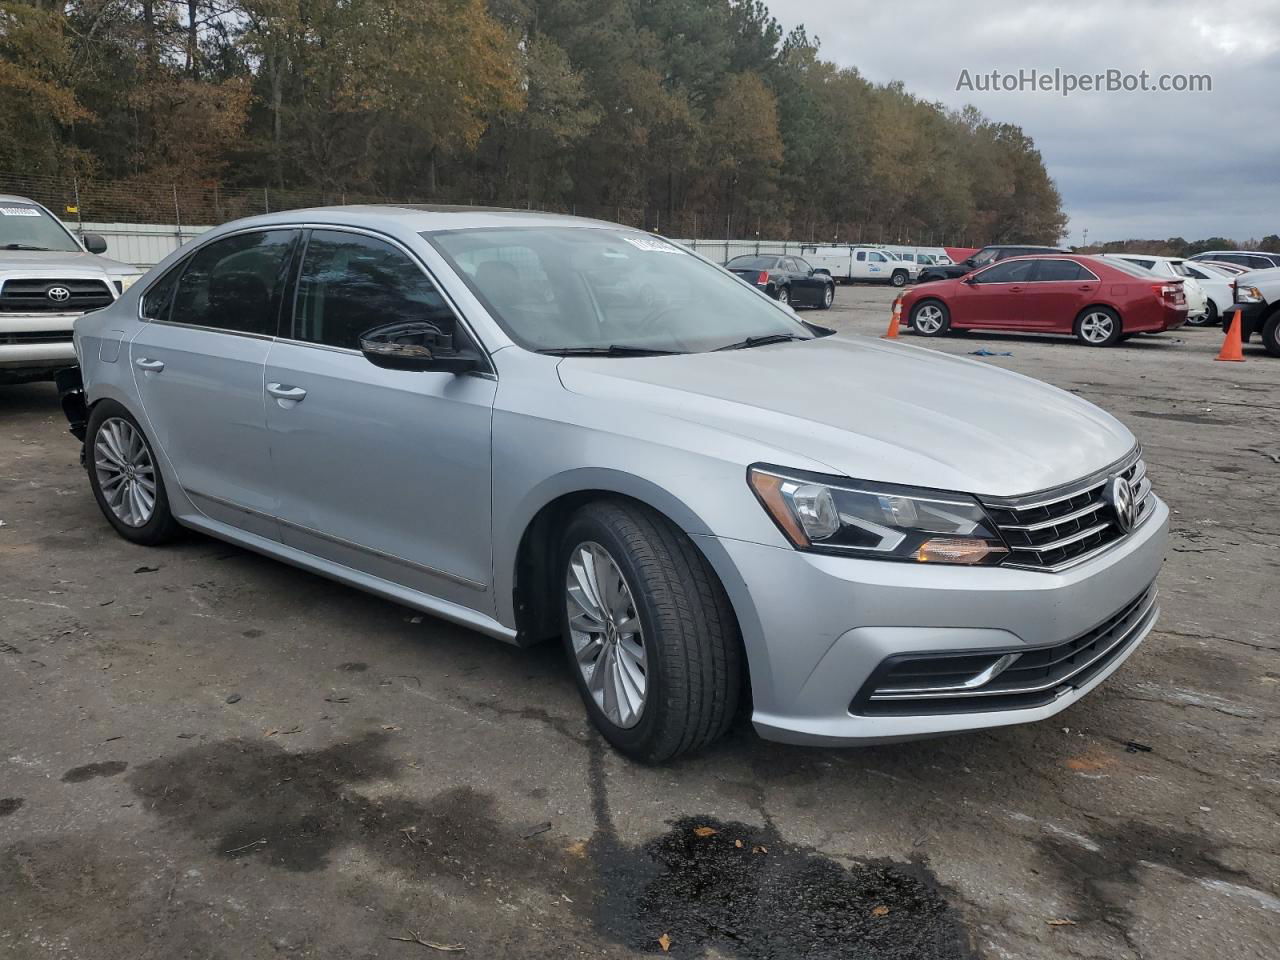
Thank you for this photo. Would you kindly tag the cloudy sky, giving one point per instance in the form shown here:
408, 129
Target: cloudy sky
1149, 165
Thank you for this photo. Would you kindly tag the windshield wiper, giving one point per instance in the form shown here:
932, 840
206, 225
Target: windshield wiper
23, 246
762, 341
613, 350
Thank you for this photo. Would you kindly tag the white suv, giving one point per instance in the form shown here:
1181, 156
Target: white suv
47, 279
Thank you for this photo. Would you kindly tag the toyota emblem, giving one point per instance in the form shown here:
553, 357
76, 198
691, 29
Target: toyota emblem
1123, 503
58, 294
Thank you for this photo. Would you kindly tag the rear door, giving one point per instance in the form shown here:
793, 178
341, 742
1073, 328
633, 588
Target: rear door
383, 471
1062, 289
198, 365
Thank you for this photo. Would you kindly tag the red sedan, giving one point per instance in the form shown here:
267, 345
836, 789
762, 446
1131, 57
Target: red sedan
1097, 301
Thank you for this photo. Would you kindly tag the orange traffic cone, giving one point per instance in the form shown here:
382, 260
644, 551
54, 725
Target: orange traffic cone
1231, 346
895, 319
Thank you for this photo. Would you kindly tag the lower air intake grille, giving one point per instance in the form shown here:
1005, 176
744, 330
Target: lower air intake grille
1012, 679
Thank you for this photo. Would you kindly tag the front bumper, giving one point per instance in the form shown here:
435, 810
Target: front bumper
1252, 315
36, 340
816, 628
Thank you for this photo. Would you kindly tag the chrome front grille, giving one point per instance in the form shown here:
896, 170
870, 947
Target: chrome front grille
1008, 679
1063, 527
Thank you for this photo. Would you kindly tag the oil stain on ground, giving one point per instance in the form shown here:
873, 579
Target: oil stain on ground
90, 771
10, 805
740, 890
749, 894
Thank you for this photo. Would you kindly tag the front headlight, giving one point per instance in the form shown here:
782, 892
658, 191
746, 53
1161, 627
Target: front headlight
129, 281
847, 517
1248, 295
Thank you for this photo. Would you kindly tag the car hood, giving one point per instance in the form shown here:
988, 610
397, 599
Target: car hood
51, 261
875, 411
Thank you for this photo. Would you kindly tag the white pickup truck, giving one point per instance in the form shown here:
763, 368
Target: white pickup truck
47, 279
1258, 300
866, 264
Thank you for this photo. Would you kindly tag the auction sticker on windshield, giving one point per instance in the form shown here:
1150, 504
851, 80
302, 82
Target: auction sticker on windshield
19, 212
652, 245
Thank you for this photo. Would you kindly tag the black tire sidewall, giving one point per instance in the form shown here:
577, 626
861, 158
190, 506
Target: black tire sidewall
1271, 335
946, 318
828, 296
161, 526
899, 279
590, 526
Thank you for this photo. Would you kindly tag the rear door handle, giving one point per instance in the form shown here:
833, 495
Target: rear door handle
1015, 289
284, 392
152, 366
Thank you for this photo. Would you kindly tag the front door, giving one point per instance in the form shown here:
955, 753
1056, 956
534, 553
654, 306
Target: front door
383, 471
998, 296
198, 366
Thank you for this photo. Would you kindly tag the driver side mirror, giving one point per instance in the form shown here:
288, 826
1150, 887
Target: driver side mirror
415, 345
95, 242
971, 280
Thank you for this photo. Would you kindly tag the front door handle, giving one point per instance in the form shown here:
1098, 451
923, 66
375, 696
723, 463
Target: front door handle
1015, 289
284, 392
151, 366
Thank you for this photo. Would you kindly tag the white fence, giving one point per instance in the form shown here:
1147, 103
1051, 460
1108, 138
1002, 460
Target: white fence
146, 244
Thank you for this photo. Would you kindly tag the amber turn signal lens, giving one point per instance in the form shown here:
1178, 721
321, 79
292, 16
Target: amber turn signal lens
956, 550
769, 490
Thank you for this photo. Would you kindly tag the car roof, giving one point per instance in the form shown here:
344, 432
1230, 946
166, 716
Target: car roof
418, 218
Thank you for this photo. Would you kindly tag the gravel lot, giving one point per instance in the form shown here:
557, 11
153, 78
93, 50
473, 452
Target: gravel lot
207, 754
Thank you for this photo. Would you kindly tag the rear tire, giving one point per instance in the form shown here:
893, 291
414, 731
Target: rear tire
1098, 327
899, 278
784, 295
828, 296
125, 476
930, 318
664, 595
1210, 319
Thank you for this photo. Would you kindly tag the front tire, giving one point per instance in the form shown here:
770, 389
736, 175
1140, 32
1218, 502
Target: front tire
1098, 327
650, 635
1271, 335
930, 318
125, 476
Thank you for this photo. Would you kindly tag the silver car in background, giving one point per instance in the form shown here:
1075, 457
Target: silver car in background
543, 426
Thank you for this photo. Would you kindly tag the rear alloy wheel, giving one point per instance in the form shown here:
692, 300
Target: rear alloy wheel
784, 295
649, 632
1098, 327
828, 296
125, 477
1208, 319
930, 318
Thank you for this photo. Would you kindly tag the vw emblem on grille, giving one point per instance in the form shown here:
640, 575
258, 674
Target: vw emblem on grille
58, 294
1120, 494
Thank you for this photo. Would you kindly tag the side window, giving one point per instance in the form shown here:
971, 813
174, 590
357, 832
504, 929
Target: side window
1009, 271
1189, 271
876, 257
1051, 271
232, 284
862, 255
351, 283
159, 297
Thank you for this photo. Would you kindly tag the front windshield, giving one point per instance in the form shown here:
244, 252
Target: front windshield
24, 226
576, 288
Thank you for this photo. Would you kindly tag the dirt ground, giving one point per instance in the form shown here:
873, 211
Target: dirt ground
206, 754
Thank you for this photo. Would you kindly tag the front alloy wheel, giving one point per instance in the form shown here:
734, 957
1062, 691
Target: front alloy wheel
649, 630
605, 631
930, 319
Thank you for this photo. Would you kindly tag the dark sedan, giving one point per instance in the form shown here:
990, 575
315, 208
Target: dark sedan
787, 279
987, 255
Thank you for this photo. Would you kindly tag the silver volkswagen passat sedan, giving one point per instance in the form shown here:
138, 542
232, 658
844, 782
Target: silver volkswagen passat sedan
544, 426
